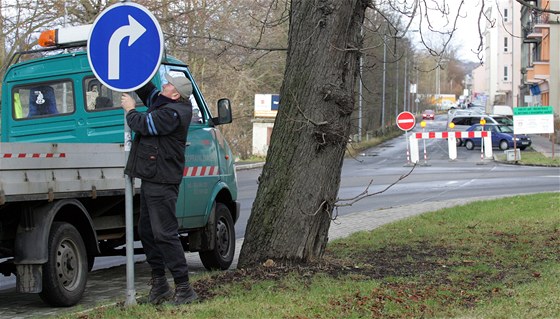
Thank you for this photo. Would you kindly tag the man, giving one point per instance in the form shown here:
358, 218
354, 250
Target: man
157, 157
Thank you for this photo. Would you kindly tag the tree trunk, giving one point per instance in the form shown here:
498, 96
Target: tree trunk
298, 187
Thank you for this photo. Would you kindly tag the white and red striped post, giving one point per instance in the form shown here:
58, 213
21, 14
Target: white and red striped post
423, 125
407, 148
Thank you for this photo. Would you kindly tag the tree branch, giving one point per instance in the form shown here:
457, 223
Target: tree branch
366, 193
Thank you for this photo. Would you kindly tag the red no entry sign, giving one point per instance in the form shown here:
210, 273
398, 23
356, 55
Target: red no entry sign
406, 121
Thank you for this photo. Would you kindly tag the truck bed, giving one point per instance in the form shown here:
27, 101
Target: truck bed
43, 171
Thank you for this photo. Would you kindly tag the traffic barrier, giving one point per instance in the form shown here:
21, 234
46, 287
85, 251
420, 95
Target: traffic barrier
451, 142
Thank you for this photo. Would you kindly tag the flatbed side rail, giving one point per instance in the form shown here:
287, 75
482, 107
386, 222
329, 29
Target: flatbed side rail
37, 171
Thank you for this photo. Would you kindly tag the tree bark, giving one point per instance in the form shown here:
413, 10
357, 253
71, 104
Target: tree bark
291, 215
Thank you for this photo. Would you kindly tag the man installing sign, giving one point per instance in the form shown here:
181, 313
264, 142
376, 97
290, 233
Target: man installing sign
157, 157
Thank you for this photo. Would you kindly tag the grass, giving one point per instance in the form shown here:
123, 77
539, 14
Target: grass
531, 157
489, 259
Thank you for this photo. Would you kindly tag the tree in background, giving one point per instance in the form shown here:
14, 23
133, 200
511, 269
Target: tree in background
297, 194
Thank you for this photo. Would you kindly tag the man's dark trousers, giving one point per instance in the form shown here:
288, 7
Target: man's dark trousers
157, 228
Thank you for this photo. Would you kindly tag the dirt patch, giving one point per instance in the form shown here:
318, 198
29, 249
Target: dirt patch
440, 276
402, 261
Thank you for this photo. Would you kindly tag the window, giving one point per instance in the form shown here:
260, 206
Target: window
506, 15
99, 97
461, 121
506, 77
506, 44
196, 99
43, 99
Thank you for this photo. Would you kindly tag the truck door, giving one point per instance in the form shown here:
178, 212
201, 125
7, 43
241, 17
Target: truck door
202, 168
201, 172
103, 115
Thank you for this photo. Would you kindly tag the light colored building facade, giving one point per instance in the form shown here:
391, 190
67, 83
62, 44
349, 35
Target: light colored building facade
502, 54
540, 55
479, 88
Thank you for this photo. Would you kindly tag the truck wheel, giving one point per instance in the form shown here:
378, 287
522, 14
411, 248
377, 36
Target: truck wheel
222, 255
65, 273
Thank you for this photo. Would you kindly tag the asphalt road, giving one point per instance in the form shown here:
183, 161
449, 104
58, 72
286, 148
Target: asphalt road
436, 183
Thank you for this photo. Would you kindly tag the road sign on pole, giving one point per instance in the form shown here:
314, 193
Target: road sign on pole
406, 121
125, 46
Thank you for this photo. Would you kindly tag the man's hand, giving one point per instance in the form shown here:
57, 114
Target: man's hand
127, 102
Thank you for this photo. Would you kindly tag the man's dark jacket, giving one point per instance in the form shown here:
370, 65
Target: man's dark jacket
158, 150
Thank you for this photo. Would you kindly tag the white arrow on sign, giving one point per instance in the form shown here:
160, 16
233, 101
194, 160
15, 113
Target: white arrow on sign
133, 30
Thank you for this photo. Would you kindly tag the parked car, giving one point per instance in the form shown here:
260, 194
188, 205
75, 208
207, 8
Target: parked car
502, 137
428, 115
462, 122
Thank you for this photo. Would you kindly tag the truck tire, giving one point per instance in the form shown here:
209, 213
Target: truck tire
65, 272
222, 255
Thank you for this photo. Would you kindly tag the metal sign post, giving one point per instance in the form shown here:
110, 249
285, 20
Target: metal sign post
406, 122
129, 221
125, 49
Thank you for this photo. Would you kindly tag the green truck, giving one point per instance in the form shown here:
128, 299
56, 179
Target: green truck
62, 199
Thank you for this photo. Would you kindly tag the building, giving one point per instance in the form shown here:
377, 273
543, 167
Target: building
479, 89
266, 108
540, 55
502, 49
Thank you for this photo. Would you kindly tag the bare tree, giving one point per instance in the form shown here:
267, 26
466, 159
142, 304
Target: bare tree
298, 186
292, 212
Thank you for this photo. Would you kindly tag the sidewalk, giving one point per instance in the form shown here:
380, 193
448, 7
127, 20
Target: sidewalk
542, 144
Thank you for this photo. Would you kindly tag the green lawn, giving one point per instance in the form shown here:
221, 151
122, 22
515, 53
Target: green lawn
489, 259
531, 157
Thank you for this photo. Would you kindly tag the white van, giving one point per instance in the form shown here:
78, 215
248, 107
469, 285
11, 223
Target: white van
505, 110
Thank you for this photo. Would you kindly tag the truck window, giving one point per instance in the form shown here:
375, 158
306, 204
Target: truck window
43, 99
197, 112
99, 97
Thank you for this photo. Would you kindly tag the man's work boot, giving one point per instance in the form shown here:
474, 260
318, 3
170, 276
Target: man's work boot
160, 291
184, 294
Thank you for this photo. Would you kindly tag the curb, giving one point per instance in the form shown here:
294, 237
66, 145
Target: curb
240, 167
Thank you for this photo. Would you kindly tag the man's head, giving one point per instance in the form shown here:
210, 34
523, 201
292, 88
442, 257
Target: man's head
177, 87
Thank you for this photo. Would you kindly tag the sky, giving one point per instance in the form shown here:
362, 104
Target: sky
466, 38
467, 33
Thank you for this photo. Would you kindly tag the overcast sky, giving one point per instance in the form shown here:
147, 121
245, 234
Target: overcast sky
466, 38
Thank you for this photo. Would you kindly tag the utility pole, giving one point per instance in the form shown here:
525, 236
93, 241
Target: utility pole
405, 97
384, 77
361, 84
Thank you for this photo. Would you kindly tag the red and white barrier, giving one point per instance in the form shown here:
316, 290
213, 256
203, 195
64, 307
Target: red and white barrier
32, 155
451, 142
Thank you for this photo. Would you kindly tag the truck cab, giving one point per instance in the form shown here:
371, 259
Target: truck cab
55, 102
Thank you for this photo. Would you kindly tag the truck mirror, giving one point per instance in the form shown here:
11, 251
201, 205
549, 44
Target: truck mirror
224, 112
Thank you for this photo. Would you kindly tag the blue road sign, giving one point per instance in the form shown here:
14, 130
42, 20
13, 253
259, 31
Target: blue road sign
125, 46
